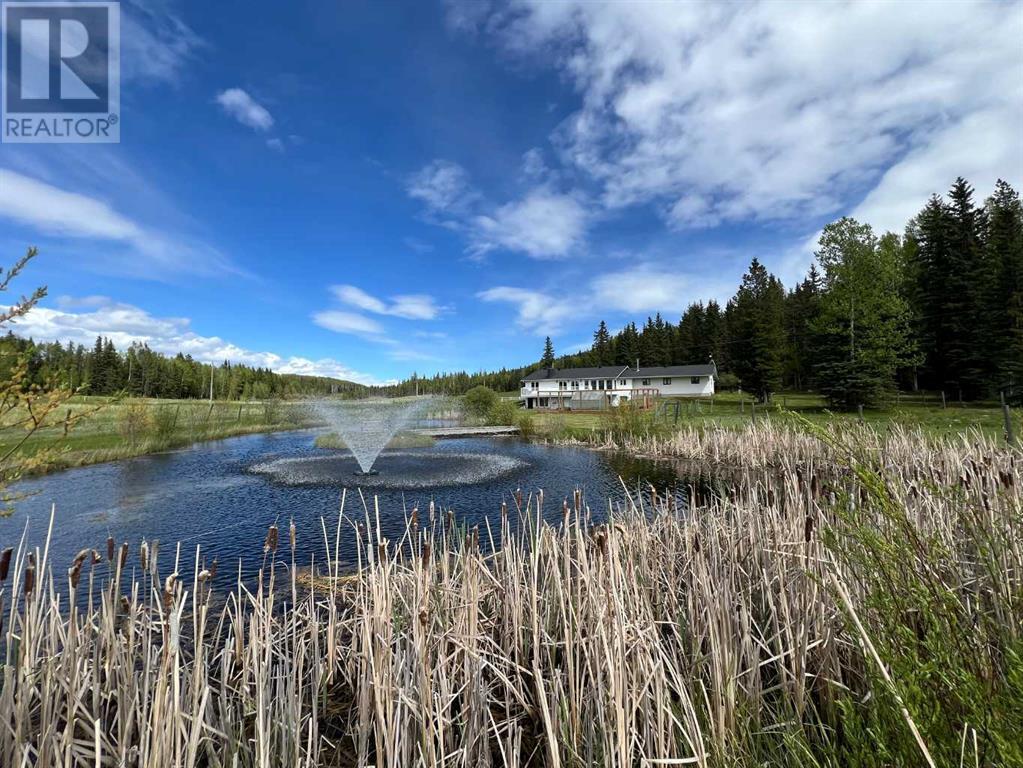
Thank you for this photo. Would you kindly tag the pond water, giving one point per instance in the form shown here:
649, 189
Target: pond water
222, 496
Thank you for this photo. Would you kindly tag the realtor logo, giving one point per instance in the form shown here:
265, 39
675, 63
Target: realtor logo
61, 72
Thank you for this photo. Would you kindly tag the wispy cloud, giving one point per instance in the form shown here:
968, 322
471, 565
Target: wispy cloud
81, 320
543, 223
61, 213
410, 306
350, 322
246, 110
535, 312
156, 44
717, 113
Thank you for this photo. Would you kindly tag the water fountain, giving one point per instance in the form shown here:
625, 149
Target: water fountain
367, 426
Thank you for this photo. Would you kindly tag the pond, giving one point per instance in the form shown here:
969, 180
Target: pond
222, 496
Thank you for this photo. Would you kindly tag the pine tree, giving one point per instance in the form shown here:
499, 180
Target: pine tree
547, 361
602, 345
802, 307
758, 331
1004, 245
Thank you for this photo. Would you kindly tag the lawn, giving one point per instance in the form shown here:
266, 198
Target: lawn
120, 428
729, 409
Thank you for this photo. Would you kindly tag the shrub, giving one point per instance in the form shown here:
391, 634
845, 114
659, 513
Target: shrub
503, 413
135, 421
165, 420
479, 401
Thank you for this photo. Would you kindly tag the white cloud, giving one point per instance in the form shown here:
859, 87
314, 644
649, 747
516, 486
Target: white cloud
732, 112
275, 144
348, 322
246, 110
536, 312
156, 44
125, 324
61, 213
443, 186
655, 288
542, 225
411, 306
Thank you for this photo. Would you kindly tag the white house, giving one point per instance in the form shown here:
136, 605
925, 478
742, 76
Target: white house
596, 388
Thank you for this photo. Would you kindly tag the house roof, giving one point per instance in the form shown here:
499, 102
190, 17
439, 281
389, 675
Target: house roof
616, 371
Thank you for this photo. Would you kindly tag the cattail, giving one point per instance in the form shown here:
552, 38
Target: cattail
270, 545
382, 550
96, 557
213, 569
168, 591
504, 510
123, 557
518, 496
110, 549
808, 528
204, 576
125, 605
426, 551
424, 616
415, 517
30, 579
578, 499
292, 536
74, 573
5, 562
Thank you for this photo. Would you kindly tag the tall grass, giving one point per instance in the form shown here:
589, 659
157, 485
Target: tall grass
806, 616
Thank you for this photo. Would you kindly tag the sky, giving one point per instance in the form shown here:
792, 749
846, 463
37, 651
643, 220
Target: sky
367, 189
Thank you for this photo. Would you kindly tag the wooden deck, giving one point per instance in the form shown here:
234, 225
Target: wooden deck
442, 433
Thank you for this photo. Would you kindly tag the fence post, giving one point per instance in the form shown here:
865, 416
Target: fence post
942, 399
860, 409
1007, 414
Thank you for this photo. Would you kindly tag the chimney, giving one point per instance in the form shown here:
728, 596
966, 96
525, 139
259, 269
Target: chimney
637, 365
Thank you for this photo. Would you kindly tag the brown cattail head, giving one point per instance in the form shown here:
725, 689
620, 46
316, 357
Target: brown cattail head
213, 569
808, 528
270, 545
518, 496
426, 551
96, 557
144, 555
74, 573
504, 509
382, 550
123, 557
110, 549
30, 579
292, 536
125, 605
5, 562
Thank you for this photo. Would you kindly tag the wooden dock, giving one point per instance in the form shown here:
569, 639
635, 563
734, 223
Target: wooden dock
443, 433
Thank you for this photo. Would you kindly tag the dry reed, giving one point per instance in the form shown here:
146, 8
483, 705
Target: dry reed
762, 625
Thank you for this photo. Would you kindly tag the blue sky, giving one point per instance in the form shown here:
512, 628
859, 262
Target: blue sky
364, 189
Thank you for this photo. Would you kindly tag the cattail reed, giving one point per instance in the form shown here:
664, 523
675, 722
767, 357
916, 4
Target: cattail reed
270, 544
5, 562
110, 549
736, 634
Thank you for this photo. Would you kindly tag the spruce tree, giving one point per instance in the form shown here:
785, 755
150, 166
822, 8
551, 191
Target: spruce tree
547, 361
756, 324
602, 345
1004, 246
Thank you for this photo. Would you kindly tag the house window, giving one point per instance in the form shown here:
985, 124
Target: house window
666, 381
694, 380
646, 382
593, 384
575, 384
562, 384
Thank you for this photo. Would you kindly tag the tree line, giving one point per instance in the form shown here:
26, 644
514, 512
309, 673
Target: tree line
939, 307
140, 371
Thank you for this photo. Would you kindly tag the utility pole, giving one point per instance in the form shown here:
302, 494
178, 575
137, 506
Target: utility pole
211, 382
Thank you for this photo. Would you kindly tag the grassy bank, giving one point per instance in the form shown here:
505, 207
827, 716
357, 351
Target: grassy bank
732, 411
858, 603
118, 429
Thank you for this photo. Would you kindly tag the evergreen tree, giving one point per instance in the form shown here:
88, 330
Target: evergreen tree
758, 331
547, 361
602, 345
802, 307
1004, 246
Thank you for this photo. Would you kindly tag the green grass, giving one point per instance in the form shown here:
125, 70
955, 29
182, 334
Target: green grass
732, 411
116, 429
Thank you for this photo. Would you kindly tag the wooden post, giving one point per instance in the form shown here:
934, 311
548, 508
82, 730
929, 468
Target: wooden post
860, 409
942, 399
753, 409
1007, 414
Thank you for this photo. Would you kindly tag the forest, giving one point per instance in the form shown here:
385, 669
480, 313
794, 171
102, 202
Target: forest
138, 371
937, 308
